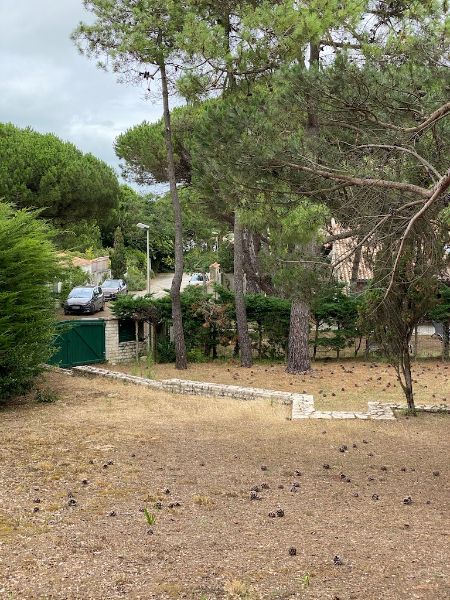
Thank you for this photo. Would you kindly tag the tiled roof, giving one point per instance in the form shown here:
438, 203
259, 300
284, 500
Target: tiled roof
343, 249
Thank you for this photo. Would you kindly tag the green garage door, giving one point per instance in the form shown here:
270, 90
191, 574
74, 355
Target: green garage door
79, 343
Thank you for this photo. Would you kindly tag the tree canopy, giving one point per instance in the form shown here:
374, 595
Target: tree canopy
41, 171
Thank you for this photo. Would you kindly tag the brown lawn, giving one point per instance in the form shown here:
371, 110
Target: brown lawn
112, 450
344, 385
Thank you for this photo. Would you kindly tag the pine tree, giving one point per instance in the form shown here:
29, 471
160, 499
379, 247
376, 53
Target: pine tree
118, 256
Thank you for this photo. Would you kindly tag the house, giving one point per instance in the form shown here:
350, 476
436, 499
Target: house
97, 269
353, 265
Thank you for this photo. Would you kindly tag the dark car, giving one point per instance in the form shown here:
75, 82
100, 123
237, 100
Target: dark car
84, 300
112, 288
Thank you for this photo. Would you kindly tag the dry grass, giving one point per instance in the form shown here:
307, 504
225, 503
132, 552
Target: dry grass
344, 385
135, 447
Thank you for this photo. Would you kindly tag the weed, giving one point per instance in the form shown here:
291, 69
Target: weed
239, 589
306, 580
408, 412
151, 519
149, 367
203, 501
46, 396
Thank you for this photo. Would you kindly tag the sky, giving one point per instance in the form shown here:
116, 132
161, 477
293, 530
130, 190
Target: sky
46, 84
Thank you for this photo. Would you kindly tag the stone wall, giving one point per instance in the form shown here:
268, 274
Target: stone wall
198, 388
115, 351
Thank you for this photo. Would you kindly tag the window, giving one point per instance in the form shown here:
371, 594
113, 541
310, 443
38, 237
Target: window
127, 331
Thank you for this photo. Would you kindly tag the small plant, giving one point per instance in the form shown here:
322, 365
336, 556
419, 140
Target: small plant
239, 589
151, 519
46, 396
197, 356
149, 367
408, 412
306, 580
205, 501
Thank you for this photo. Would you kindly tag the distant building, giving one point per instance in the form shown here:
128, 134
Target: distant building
353, 266
97, 269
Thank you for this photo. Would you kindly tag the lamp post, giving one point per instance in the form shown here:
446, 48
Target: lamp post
147, 228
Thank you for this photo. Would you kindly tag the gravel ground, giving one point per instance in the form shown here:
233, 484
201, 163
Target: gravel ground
76, 474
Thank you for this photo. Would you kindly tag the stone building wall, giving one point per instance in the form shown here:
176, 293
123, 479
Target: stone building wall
115, 351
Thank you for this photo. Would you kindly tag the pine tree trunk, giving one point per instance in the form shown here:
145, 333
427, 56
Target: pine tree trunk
241, 313
316, 339
136, 338
445, 340
407, 382
178, 333
298, 351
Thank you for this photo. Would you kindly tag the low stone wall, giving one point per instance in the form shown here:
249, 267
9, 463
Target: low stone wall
302, 404
197, 388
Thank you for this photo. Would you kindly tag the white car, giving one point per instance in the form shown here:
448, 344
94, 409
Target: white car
199, 279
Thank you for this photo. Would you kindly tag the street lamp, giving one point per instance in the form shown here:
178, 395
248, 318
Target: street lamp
147, 228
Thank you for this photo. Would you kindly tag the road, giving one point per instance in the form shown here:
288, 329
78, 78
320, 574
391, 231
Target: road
162, 282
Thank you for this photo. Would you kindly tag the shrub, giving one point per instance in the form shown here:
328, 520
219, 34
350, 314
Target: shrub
46, 396
28, 263
165, 351
136, 280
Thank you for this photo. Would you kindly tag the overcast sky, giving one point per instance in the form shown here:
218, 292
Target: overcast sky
47, 85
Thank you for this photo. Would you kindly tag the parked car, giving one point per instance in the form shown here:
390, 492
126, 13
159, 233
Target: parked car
199, 279
112, 288
84, 300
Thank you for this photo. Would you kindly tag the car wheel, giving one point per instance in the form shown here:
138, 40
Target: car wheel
66, 312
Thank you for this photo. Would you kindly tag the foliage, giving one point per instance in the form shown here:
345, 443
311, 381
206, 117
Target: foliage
46, 396
157, 213
335, 315
71, 277
41, 171
28, 264
118, 256
209, 321
136, 269
165, 351
150, 517
441, 311
81, 237
272, 316
137, 308
392, 318
143, 149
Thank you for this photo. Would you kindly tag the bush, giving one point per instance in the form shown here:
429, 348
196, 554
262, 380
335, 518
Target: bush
136, 280
165, 351
137, 269
46, 396
197, 356
28, 263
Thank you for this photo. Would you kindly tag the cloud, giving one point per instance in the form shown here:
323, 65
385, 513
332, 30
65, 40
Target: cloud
46, 84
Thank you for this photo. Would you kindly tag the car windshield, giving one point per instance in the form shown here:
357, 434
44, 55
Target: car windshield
197, 277
111, 283
80, 293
